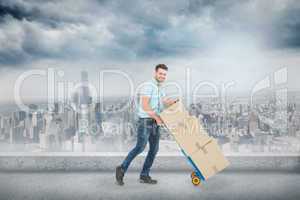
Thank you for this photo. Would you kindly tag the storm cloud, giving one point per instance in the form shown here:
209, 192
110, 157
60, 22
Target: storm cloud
137, 30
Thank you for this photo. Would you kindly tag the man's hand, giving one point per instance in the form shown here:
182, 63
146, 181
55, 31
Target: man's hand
158, 120
168, 102
175, 100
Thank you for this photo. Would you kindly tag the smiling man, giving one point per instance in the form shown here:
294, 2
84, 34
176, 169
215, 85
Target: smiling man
152, 101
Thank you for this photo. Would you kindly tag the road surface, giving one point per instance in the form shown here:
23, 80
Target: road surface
171, 185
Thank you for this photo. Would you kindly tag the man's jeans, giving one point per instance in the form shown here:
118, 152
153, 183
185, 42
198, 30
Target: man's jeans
147, 130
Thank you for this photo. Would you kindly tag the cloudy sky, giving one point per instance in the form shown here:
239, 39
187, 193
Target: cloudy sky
200, 40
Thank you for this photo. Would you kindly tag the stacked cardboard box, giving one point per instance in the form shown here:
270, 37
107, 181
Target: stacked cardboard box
193, 139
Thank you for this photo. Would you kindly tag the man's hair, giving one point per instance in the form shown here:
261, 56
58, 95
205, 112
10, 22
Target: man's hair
162, 66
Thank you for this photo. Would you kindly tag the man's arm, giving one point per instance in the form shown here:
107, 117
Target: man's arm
146, 107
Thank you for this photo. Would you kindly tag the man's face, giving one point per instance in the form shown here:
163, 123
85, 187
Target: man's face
161, 75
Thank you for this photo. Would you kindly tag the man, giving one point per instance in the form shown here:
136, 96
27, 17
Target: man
152, 101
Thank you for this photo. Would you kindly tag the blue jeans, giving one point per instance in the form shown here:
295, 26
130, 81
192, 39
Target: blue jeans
147, 130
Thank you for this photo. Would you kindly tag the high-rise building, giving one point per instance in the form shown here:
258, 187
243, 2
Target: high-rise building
83, 102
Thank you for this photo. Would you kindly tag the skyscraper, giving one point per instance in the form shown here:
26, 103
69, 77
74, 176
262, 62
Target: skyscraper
82, 101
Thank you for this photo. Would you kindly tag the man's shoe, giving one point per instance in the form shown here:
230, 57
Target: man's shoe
147, 179
119, 175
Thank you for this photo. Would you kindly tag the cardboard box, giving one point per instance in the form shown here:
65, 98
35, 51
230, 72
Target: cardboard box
209, 159
185, 128
187, 134
193, 139
174, 114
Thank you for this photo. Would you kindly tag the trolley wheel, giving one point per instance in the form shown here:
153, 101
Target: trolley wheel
193, 174
196, 180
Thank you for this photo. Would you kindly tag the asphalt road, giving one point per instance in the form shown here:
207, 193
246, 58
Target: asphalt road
171, 185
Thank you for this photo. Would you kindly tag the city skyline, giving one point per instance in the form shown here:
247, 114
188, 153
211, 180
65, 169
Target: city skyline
239, 128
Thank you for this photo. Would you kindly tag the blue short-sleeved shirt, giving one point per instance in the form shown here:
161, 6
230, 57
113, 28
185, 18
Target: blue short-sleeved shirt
155, 91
